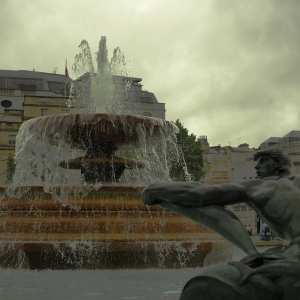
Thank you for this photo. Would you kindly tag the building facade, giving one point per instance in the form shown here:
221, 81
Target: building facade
25, 95
29, 94
126, 92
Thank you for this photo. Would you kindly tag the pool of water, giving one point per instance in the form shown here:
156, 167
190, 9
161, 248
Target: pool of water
99, 284
96, 284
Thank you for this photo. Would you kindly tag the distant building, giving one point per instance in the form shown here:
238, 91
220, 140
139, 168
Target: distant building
272, 142
25, 95
29, 94
227, 164
127, 90
291, 139
31, 82
290, 143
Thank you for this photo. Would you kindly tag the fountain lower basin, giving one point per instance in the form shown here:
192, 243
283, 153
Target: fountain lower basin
106, 227
49, 221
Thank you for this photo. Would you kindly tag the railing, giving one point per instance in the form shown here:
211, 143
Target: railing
28, 92
13, 125
6, 91
51, 99
15, 112
7, 146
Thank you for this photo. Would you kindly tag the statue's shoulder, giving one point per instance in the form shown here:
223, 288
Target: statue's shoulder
250, 184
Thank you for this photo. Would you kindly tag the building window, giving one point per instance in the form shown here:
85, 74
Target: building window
6, 103
44, 112
147, 114
27, 87
12, 140
146, 99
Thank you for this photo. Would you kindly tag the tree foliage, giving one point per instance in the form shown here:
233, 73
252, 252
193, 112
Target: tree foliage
10, 169
192, 151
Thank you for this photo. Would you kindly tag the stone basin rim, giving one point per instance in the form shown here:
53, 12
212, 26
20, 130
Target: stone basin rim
96, 187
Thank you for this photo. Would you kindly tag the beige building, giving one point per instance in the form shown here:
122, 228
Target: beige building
227, 164
30, 94
25, 95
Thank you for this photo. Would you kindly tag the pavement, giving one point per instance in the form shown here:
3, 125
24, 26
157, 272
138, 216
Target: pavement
275, 242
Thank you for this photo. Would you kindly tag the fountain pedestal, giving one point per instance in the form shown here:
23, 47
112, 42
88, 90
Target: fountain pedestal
101, 169
107, 228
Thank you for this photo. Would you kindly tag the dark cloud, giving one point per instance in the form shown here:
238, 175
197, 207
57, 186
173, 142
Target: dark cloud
226, 69
252, 58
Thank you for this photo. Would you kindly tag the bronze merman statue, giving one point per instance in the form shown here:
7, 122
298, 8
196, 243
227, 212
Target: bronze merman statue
275, 196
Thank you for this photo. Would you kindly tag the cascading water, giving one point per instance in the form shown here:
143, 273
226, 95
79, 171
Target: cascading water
74, 201
48, 149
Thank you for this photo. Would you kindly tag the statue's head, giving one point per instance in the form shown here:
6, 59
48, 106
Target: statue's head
272, 162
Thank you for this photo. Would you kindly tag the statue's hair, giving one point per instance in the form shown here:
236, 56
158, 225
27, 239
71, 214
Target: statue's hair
278, 155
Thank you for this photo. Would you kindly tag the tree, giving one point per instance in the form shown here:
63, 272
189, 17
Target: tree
10, 169
192, 151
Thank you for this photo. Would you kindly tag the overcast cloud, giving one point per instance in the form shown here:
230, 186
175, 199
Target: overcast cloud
228, 69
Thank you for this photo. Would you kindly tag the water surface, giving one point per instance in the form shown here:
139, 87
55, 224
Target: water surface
96, 284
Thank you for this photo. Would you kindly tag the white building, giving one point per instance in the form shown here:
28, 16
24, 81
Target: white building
125, 91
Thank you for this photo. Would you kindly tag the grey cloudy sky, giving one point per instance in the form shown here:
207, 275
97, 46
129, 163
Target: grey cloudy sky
228, 69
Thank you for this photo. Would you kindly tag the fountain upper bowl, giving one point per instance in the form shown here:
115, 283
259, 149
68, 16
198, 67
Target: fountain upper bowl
101, 131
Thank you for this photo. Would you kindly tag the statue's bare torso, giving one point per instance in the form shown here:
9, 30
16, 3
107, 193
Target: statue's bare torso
277, 201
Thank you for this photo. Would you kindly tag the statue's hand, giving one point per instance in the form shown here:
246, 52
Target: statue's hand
151, 195
176, 193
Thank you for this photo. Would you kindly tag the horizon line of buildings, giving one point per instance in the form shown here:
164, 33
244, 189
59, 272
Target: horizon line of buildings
29, 94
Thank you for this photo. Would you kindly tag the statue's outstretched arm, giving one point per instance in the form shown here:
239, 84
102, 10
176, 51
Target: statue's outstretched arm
204, 204
194, 194
220, 220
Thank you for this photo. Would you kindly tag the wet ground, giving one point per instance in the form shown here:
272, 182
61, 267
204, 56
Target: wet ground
96, 284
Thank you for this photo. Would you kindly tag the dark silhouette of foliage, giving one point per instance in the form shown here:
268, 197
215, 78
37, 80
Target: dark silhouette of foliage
192, 151
10, 169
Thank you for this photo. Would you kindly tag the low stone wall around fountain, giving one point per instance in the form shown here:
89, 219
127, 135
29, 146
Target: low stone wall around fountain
99, 227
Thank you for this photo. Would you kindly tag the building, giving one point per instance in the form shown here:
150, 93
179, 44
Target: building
126, 93
227, 164
290, 143
25, 95
29, 94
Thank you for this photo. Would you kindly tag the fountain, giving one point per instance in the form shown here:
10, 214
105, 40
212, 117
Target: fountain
75, 197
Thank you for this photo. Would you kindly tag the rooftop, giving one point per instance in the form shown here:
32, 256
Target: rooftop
33, 75
293, 133
272, 140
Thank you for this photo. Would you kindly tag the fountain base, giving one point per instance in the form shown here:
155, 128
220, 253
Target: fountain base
124, 255
108, 227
